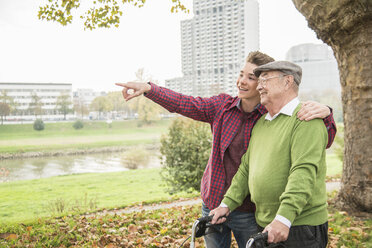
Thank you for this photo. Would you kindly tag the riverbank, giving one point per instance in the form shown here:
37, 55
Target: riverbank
68, 152
21, 141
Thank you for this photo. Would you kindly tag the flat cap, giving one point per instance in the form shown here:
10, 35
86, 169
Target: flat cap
286, 67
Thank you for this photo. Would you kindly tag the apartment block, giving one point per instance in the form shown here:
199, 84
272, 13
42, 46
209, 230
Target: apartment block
214, 45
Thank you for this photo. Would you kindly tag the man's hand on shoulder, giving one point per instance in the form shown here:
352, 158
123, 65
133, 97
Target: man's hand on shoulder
134, 89
312, 110
277, 232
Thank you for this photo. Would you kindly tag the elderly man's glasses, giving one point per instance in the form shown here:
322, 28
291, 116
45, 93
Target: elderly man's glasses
263, 80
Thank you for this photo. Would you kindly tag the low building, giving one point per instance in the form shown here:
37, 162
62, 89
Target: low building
86, 96
82, 99
22, 95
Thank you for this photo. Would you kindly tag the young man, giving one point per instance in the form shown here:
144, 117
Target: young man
284, 168
231, 120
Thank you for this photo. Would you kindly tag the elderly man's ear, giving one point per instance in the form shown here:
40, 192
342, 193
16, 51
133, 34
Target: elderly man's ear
289, 80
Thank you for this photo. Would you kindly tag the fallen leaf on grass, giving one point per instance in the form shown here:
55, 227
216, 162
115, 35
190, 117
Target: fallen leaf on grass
358, 229
8, 236
164, 231
148, 242
132, 228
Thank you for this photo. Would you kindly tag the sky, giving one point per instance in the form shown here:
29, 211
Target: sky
45, 52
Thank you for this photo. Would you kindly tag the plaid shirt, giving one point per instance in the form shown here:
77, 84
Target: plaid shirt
222, 112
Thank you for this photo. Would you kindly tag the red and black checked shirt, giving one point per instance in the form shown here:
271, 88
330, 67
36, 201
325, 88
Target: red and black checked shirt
224, 116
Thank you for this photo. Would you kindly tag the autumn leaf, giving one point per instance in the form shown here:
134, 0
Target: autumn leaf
12, 236
358, 229
164, 231
132, 228
148, 241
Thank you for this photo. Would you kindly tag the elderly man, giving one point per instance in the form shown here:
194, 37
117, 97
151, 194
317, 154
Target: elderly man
284, 167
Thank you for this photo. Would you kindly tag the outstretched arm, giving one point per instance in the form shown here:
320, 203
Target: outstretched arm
197, 108
311, 110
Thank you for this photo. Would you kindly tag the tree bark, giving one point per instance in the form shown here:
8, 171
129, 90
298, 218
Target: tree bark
346, 26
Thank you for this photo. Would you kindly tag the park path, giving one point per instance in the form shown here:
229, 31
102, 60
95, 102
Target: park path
331, 186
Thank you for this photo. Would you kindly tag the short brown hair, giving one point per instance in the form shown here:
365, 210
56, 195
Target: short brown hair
259, 58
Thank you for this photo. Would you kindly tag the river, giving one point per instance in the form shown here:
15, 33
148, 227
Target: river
42, 167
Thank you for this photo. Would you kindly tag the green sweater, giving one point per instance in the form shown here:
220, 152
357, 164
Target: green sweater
284, 171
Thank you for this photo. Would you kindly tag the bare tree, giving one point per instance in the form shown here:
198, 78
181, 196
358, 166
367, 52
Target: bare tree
4, 111
81, 108
63, 105
36, 105
6, 99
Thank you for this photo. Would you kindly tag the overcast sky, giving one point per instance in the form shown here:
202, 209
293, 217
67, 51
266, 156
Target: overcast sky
43, 52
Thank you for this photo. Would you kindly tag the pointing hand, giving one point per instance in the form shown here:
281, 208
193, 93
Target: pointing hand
138, 89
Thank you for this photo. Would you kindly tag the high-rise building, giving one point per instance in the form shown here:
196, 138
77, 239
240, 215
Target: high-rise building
319, 67
214, 44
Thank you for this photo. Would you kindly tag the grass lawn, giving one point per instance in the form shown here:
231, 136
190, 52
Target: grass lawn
30, 199
334, 165
59, 136
24, 201
158, 228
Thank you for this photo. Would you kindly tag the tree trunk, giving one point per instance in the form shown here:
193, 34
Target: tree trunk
346, 25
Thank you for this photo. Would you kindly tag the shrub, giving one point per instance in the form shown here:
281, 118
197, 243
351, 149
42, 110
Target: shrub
78, 124
185, 152
135, 157
39, 125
